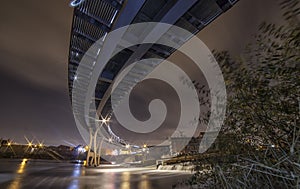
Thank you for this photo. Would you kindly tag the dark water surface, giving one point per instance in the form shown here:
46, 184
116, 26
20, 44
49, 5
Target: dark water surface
46, 174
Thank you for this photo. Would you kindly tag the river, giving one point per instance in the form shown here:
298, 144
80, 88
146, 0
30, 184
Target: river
18, 174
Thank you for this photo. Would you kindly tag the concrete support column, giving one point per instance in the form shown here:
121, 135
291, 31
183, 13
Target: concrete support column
99, 151
89, 157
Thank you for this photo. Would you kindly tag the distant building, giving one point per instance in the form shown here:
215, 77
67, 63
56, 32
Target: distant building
5, 141
158, 152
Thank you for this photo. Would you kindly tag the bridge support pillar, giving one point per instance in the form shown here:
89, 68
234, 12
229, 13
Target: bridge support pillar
93, 158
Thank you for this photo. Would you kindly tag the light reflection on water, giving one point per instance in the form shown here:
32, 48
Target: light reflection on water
109, 180
125, 180
144, 183
16, 183
36, 174
75, 177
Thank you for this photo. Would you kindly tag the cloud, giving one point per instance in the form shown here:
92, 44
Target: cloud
34, 41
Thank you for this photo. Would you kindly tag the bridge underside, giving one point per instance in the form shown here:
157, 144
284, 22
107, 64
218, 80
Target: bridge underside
93, 19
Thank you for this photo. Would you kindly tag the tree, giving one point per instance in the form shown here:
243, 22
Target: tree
264, 85
263, 107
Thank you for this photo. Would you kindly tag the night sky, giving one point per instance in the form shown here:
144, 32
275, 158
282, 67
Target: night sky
34, 42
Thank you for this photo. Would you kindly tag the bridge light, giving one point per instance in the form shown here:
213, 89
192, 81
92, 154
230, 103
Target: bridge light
104, 120
75, 3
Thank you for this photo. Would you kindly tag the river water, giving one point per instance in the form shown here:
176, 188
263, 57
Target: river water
18, 174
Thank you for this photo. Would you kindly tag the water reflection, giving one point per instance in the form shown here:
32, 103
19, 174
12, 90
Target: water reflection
22, 166
16, 183
108, 180
75, 177
22, 175
125, 180
144, 183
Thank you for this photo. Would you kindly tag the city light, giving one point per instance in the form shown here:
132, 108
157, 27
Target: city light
81, 149
29, 143
9, 144
41, 145
127, 146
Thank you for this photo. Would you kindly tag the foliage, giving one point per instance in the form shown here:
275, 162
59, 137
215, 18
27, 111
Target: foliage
264, 88
263, 107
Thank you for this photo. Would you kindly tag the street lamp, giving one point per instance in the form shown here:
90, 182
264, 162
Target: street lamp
104, 120
94, 136
29, 143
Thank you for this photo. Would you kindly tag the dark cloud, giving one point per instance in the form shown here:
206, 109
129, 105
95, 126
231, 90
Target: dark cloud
36, 112
34, 41
235, 29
